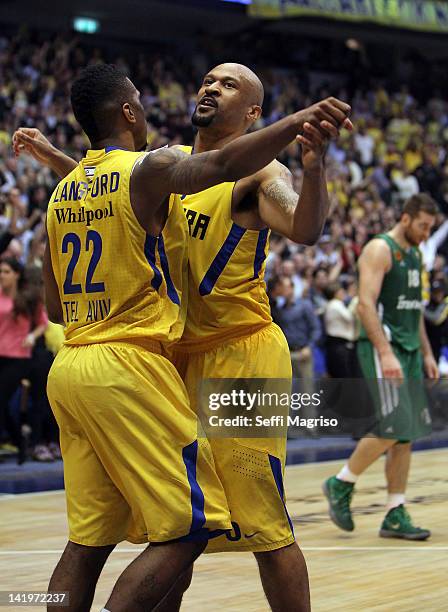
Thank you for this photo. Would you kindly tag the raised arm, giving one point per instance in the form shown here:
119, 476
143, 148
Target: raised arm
300, 218
171, 171
33, 142
279, 204
374, 263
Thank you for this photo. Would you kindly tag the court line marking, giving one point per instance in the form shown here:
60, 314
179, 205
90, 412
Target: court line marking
30, 494
342, 548
289, 467
313, 464
304, 548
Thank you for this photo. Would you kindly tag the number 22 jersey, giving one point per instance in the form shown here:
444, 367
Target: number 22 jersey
115, 280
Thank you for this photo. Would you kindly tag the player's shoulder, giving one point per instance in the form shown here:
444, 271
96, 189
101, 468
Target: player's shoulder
170, 152
157, 159
274, 170
377, 244
71, 175
68, 178
376, 252
187, 149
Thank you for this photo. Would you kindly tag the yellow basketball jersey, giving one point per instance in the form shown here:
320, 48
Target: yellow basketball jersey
116, 282
226, 292
426, 285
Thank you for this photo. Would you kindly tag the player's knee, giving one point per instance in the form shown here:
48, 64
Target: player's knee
267, 559
189, 552
388, 444
278, 556
80, 551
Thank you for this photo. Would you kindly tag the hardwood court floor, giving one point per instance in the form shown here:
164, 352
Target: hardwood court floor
350, 572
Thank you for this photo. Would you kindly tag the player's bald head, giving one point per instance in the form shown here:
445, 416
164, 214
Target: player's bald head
229, 100
252, 84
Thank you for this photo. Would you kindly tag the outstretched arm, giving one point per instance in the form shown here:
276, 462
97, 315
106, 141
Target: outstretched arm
171, 171
33, 142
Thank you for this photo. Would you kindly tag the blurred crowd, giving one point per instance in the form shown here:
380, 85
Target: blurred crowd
399, 148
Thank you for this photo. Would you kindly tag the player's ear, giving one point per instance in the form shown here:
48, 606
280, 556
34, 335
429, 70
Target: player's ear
254, 112
406, 219
128, 113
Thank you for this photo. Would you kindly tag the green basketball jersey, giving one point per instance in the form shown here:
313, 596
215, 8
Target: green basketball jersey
400, 301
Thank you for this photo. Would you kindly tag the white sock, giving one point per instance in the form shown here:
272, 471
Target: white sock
394, 500
347, 475
105, 610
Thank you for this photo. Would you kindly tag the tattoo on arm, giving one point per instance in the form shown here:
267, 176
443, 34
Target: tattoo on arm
188, 174
281, 193
180, 171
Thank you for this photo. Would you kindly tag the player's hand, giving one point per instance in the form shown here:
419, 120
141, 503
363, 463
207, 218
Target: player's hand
314, 147
328, 117
431, 368
33, 142
390, 366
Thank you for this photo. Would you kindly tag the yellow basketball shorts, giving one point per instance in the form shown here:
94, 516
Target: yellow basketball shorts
133, 468
251, 469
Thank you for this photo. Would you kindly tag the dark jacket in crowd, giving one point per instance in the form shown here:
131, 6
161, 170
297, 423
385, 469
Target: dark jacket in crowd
299, 323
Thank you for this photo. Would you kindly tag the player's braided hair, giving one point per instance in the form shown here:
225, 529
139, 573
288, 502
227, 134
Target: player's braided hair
98, 91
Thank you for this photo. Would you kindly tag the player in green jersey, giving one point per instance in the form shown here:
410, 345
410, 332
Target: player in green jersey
393, 345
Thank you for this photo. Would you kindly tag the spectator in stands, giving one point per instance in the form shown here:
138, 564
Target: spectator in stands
288, 270
436, 318
364, 145
316, 293
341, 330
301, 327
44, 438
25, 233
392, 127
405, 183
22, 321
430, 177
13, 225
380, 178
355, 170
430, 247
326, 254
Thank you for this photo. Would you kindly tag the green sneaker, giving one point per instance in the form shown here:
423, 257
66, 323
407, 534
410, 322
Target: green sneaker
398, 524
339, 494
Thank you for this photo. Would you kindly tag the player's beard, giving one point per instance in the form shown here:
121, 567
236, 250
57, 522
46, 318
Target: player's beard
410, 238
201, 121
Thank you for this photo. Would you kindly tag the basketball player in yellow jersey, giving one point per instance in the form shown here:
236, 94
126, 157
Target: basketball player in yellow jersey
233, 315
132, 466
229, 331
